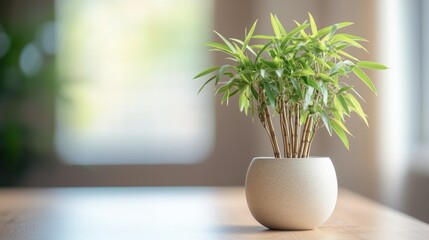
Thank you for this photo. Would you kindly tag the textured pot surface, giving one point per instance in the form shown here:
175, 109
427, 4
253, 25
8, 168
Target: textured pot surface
291, 193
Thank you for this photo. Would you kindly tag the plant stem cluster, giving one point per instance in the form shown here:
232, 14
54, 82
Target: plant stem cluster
297, 76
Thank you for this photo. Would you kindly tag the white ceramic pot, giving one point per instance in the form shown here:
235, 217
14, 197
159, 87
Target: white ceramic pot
291, 193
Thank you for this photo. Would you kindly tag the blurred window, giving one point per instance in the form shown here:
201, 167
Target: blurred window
425, 70
128, 96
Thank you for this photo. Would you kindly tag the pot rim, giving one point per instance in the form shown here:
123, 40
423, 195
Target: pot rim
273, 158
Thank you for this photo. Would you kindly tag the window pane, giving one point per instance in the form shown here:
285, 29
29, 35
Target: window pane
127, 68
425, 71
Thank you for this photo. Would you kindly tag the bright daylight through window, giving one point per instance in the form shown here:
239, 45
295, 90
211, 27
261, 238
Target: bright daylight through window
128, 94
425, 71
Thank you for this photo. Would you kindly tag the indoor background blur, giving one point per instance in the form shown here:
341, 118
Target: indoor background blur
100, 93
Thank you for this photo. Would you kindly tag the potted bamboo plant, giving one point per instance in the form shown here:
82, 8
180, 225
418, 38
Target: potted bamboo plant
301, 77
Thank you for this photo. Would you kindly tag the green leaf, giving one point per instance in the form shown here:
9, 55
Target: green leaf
364, 78
254, 92
312, 83
268, 63
238, 41
293, 33
348, 63
262, 50
303, 33
221, 72
338, 114
232, 59
325, 93
297, 87
233, 92
345, 89
276, 29
280, 26
206, 84
242, 44
371, 65
256, 46
342, 68
353, 37
303, 116
262, 73
270, 94
326, 121
336, 68
225, 98
326, 77
332, 28
242, 75
263, 37
319, 60
206, 71
224, 88
339, 109
340, 132
243, 102
249, 36
357, 107
348, 40
357, 94
341, 45
312, 24
251, 50
347, 55
341, 125
219, 46
228, 43
239, 52
344, 104
308, 97
304, 72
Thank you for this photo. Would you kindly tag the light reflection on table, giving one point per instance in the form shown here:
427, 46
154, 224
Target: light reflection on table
179, 213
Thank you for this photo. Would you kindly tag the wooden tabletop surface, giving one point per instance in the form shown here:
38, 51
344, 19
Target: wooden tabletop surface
180, 213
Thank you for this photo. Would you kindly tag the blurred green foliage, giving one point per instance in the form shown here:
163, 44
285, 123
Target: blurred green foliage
27, 90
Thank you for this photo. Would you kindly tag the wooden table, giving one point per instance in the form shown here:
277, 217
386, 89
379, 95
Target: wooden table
180, 213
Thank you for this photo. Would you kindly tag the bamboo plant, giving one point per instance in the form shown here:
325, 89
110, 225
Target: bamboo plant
300, 77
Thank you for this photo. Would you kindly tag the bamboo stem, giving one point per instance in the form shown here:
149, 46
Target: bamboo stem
267, 123
263, 119
313, 133
282, 128
292, 132
305, 135
269, 136
272, 133
297, 127
285, 130
288, 130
